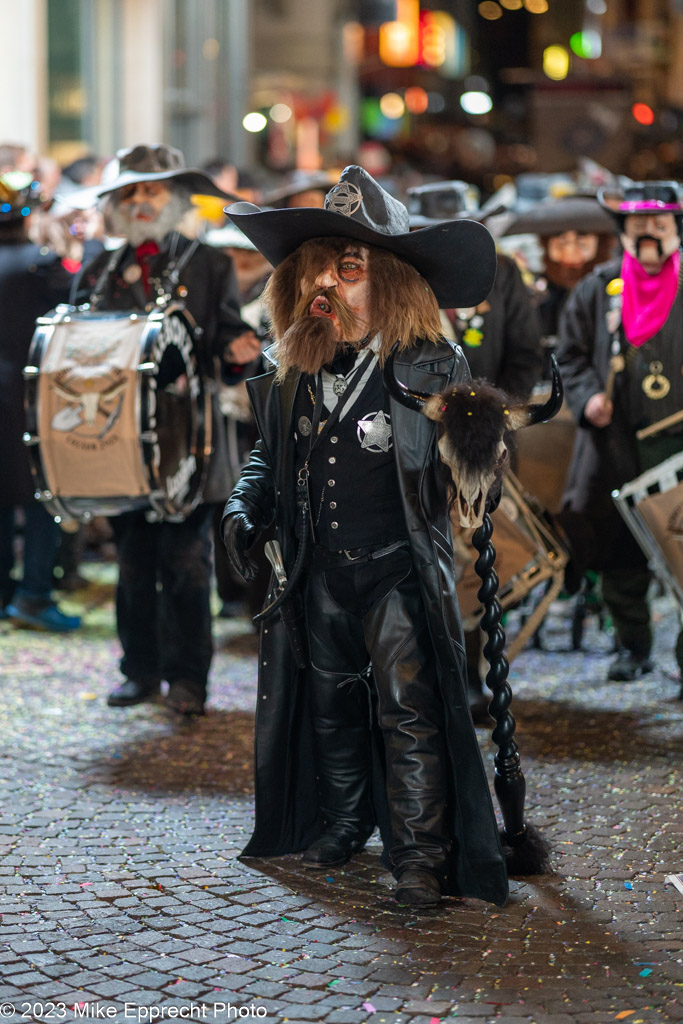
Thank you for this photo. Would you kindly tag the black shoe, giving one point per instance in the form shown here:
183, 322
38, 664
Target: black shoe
628, 666
184, 699
132, 692
330, 851
418, 888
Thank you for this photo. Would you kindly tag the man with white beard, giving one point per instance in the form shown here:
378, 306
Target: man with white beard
166, 632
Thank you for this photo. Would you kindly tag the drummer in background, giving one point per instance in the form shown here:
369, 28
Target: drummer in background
32, 281
501, 338
621, 353
166, 634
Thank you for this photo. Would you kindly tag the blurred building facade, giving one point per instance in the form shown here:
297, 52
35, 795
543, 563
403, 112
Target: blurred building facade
319, 79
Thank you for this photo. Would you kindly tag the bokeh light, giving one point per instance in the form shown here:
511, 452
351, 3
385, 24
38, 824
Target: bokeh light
643, 113
490, 10
280, 113
392, 105
476, 102
254, 121
555, 63
586, 44
536, 6
416, 99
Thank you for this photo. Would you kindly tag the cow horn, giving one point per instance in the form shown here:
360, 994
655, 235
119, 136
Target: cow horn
545, 412
411, 399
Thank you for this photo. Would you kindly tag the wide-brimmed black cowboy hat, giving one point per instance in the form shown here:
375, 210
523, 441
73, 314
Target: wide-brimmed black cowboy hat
456, 258
146, 163
644, 197
583, 214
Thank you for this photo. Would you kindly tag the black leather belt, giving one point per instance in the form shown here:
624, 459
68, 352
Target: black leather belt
325, 558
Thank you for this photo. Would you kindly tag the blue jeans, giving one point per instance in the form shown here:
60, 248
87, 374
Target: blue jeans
163, 612
41, 537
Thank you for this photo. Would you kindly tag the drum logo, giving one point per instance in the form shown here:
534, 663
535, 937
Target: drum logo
91, 399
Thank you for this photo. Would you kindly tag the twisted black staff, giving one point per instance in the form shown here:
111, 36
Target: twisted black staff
526, 851
474, 417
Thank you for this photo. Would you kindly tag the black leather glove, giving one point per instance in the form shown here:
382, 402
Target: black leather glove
239, 533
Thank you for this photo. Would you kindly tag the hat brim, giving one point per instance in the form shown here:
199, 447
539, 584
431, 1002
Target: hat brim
584, 215
196, 181
457, 258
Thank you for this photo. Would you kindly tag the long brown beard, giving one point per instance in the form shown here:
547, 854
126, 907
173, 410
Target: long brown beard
312, 342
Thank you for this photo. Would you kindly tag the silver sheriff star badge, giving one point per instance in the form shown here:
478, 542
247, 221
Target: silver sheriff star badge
374, 432
344, 198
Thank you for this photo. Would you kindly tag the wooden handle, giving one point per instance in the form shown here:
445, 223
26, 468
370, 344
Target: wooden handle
654, 428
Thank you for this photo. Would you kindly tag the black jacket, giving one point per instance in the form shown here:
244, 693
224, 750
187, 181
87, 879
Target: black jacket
287, 817
32, 281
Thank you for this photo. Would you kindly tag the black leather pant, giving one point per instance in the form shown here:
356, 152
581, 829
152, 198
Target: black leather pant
363, 616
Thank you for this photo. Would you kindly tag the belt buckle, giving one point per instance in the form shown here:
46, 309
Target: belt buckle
349, 556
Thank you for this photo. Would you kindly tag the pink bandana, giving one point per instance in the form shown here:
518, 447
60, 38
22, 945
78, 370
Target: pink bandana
648, 298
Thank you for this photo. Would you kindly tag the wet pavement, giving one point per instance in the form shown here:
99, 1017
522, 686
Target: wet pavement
122, 897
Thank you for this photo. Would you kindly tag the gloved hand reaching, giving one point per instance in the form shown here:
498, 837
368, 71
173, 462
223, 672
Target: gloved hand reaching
239, 533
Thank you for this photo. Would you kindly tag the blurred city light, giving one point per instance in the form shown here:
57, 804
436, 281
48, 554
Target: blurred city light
433, 39
210, 49
511, 5
476, 102
556, 62
399, 41
586, 44
254, 122
436, 102
596, 6
280, 113
490, 10
416, 99
392, 105
643, 113
536, 6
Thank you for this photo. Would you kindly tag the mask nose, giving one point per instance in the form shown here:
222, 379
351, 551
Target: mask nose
325, 279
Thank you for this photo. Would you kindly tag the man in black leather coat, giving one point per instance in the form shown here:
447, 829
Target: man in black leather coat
376, 728
166, 634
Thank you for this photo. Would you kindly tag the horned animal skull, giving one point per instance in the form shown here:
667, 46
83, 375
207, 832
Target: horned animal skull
473, 418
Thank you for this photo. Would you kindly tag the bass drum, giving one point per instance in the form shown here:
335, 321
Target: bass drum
543, 453
118, 413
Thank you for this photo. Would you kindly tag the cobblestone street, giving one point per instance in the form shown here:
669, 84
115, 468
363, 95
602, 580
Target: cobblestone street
122, 895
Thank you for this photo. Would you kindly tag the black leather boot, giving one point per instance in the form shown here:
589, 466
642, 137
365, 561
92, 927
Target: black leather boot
133, 692
342, 739
418, 888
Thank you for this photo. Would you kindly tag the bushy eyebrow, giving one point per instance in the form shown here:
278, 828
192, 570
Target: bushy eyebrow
358, 253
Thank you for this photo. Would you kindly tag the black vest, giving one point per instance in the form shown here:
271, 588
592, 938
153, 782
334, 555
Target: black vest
353, 486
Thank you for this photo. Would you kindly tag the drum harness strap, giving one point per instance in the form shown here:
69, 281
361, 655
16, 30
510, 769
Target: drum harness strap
165, 286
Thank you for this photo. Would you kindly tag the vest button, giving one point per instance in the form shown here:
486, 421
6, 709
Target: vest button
333, 440
333, 504
330, 483
334, 526
332, 460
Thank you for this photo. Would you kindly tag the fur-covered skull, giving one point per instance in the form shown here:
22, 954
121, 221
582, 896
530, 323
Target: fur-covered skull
473, 418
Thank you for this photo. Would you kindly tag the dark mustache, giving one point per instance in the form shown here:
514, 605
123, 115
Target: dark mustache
649, 238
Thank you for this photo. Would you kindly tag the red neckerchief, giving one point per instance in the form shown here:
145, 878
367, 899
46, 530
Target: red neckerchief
142, 255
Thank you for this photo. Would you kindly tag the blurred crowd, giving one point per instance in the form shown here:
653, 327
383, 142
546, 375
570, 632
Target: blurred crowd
551, 233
